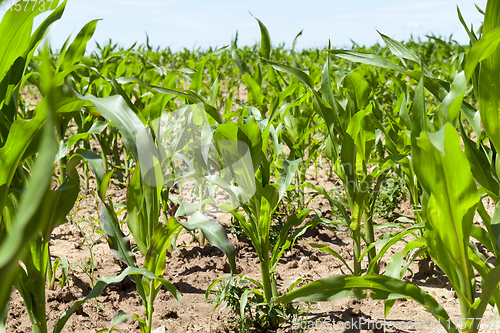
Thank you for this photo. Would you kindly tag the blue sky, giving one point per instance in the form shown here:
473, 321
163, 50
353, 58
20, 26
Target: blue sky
213, 23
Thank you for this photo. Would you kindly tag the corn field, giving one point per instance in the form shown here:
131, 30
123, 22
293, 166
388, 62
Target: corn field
198, 150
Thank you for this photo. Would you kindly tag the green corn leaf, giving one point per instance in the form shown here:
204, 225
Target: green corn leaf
76, 50
273, 79
42, 30
393, 240
213, 92
253, 88
295, 40
449, 109
292, 51
264, 223
483, 237
20, 137
62, 200
489, 76
442, 168
341, 286
495, 228
333, 201
249, 133
98, 127
189, 95
348, 157
243, 303
472, 36
120, 317
362, 131
241, 154
368, 59
118, 242
320, 105
394, 267
358, 88
197, 78
483, 49
299, 74
16, 28
238, 60
95, 163
119, 91
283, 238
489, 287
287, 175
327, 249
399, 50
419, 116
64, 271
97, 167
116, 109
156, 255
480, 166
143, 208
265, 40
393, 270
332, 118
435, 86
136, 212
16, 74
8, 87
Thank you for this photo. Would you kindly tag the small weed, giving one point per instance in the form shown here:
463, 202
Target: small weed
248, 309
51, 273
390, 195
236, 229
88, 268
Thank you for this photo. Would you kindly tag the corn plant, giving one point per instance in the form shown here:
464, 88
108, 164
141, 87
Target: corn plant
146, 199
451, 196
254, 130
34, 221
353, 132
35, 213
259, 211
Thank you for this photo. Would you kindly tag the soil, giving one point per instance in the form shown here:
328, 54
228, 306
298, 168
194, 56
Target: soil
193, 268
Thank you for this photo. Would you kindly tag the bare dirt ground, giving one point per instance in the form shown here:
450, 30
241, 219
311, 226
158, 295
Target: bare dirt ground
193, 268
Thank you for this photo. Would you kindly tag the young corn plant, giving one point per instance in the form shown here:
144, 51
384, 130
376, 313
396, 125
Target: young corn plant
256, 225
47, 208
27, 219
259, 209
42, 216
147, 198
155, 257
397, 131
451, 196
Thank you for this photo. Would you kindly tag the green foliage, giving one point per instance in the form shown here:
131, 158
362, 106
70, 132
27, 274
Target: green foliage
389, 121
